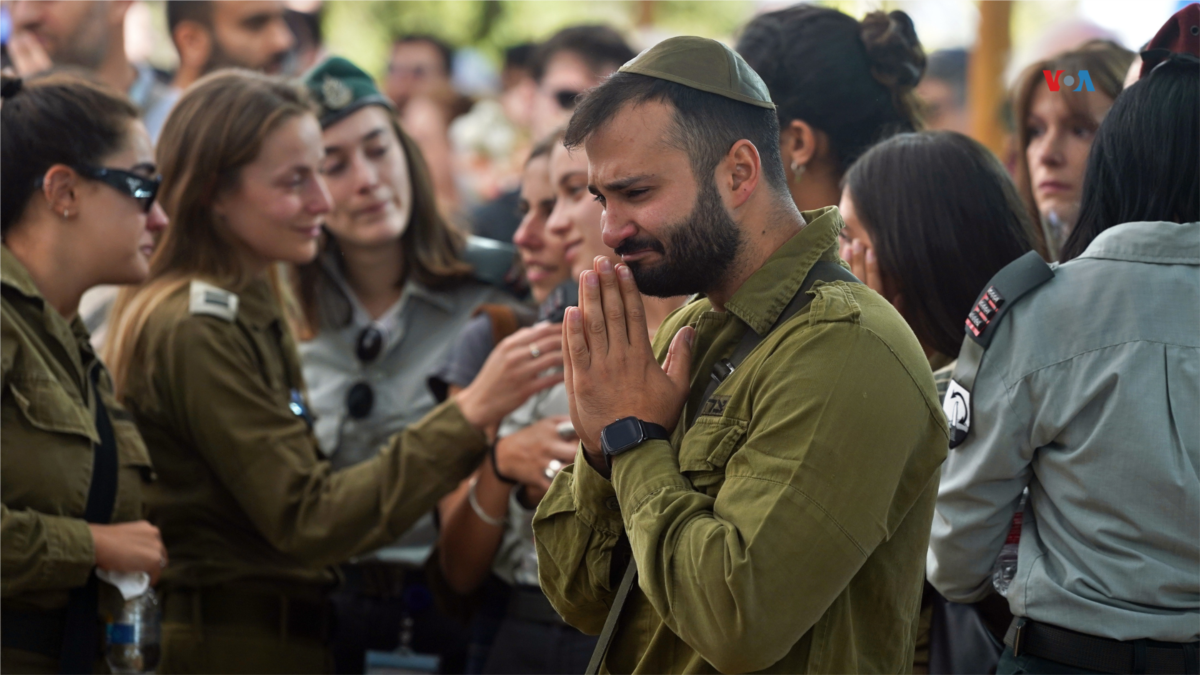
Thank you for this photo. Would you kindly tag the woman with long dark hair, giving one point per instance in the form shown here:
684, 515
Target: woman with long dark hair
1087, 396
78, 210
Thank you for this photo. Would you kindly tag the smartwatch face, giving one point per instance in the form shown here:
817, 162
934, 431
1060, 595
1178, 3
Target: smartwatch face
622, 434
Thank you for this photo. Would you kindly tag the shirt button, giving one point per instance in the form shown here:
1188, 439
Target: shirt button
612, 504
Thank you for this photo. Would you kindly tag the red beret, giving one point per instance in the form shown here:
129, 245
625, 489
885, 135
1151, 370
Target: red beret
1180, 34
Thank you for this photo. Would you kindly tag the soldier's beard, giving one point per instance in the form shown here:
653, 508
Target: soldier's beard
700, 249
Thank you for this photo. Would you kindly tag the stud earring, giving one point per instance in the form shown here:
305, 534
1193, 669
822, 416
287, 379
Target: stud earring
797, 171
66, 213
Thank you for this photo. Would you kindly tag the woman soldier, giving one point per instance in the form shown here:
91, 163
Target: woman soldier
382, 305
78, 211
205, 359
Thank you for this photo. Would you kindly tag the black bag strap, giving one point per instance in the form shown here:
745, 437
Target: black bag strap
821, 271
79, 647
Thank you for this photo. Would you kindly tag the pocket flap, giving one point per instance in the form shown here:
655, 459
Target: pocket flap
710, 442
47, 405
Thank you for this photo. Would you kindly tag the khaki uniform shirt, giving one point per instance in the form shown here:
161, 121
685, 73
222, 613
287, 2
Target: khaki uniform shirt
244, 492
47, 413
785, 530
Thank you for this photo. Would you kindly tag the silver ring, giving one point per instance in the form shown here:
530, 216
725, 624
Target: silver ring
534, 351
162, 561
552, 469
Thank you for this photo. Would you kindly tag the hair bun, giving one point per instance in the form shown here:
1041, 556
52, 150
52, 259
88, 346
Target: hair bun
896, 56
10, 86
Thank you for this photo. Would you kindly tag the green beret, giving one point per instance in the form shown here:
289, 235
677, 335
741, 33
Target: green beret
340, 88
702, 64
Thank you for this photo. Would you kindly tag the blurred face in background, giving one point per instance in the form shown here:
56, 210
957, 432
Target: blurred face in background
543, 253
944, 108
1061, 126
274, 212
577, 215
369, 180
565, 77
249, 34
415, 69
73, 32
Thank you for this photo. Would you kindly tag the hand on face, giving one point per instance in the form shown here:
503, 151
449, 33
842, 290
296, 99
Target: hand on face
610, 369
863, 264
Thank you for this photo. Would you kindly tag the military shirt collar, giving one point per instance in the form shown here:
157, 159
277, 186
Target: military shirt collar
14, 275
1151, 242
257, 305
763, 296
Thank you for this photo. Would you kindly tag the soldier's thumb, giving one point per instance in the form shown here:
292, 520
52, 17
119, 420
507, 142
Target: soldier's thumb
679, 357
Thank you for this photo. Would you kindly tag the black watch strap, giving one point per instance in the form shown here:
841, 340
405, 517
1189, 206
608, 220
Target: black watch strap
626, 434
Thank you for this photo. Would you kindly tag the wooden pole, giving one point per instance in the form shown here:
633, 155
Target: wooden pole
985, 74
645, 14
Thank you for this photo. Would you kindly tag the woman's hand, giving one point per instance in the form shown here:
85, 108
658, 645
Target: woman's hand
513, 372
129, 547
533, 455
863, 264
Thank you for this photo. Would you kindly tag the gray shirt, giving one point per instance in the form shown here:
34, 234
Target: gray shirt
419, 330
1090, 395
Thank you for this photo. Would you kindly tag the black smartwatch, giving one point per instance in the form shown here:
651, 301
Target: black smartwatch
626, 434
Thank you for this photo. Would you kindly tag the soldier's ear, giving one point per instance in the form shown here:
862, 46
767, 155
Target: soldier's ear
742, 171
59, 185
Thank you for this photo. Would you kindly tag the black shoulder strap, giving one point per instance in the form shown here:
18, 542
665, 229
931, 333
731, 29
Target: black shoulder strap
79, 647
821, 271
1010, 284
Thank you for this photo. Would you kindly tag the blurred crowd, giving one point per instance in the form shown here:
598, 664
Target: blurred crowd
288, 339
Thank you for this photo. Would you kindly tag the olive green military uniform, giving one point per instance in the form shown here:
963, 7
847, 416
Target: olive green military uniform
48, 422
785, 529
252, 516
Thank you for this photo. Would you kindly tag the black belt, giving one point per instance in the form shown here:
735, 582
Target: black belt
292, 616
530, 604
1027, 637
33, 631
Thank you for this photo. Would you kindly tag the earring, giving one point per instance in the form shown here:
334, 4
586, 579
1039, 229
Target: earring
797, 171
66, 213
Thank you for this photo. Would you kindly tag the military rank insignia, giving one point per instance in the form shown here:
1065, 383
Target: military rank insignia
982, 313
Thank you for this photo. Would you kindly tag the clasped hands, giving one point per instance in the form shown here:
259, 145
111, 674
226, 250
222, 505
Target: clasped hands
609, 367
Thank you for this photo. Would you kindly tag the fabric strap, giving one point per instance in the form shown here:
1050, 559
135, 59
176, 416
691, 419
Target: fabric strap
821, 271
79, 647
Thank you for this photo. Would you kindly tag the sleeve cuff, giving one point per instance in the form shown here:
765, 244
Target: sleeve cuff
70, 552
443, 430
644, 471
596, 501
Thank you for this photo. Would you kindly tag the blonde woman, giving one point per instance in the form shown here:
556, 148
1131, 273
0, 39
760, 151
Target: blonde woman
204, 358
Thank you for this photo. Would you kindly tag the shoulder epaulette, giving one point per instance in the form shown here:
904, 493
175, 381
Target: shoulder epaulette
213, 301
1009, 285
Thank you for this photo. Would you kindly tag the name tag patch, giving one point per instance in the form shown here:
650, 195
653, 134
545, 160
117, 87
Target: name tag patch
715, 406
957, 407
983, 311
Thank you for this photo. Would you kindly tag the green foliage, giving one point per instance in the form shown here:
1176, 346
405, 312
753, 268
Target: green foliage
361, 30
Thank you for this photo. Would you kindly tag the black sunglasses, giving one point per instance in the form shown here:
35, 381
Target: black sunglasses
566, 99
361, 397
141, 188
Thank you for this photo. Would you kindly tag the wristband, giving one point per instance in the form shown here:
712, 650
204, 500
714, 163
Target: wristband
474, 502
496, 468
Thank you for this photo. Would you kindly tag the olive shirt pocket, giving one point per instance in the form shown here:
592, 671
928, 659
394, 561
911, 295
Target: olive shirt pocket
706, 449
47, 405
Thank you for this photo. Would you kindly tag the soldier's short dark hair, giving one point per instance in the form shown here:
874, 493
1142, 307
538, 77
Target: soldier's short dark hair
706, 125
601, 47
178, 11
444, 50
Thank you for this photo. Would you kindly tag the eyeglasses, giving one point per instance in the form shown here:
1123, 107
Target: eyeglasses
566, 99
141, 188
360, 399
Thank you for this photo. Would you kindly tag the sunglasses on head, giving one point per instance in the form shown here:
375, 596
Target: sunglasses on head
361, 397
141, 188
566, 99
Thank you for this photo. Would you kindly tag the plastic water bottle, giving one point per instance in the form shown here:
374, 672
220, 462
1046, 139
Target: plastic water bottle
132, 643
1006, 562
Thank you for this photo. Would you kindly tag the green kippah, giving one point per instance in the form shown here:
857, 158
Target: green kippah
702, 64
340, 88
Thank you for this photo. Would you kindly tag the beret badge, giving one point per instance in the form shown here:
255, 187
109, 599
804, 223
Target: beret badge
335, 92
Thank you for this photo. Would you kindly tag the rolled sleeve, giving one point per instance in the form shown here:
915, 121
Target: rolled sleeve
44, 552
